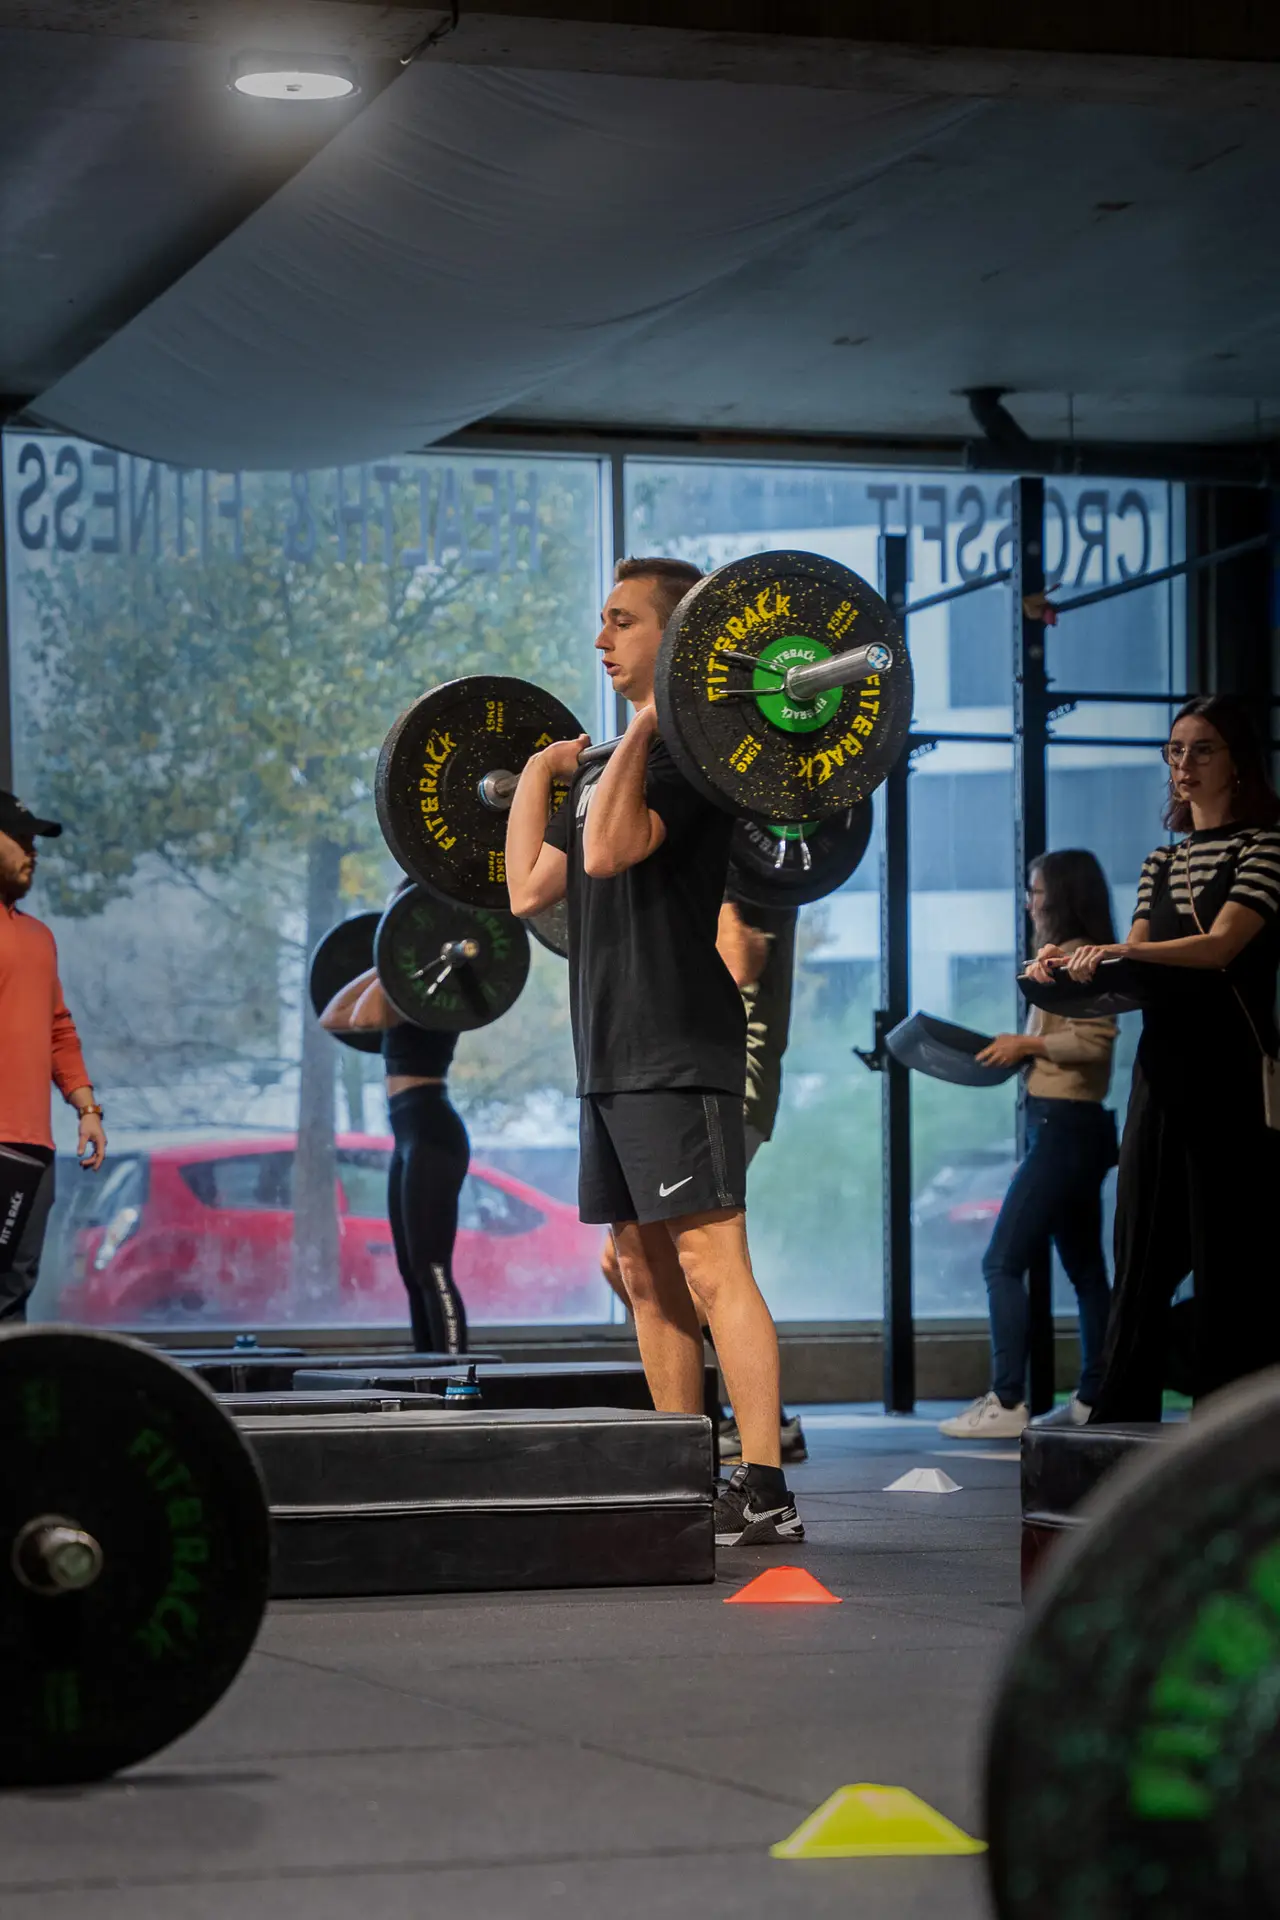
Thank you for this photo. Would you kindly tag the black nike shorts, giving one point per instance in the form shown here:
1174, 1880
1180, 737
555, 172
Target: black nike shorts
658, 1156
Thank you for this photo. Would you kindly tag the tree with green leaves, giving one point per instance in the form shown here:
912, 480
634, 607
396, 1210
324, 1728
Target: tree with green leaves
207, 713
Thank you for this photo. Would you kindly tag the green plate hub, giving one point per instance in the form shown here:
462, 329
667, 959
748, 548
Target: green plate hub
793, 716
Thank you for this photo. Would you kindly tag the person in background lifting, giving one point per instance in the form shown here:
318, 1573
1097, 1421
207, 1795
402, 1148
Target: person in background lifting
1056, 1192
429, 1162
1200, 1157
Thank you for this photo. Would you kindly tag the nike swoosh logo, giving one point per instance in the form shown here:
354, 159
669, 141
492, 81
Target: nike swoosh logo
664, 1191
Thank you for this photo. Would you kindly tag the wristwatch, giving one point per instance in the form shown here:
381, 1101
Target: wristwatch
93, 1107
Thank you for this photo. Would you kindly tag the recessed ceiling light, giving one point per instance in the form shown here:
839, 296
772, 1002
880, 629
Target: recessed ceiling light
293, 76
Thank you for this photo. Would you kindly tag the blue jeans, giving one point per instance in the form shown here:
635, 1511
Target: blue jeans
1055, 1194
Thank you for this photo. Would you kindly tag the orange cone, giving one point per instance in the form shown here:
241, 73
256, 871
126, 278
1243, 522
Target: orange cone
793, 1586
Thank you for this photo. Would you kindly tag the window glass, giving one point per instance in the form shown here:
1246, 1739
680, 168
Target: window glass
362, 1175
486, 1207
250, 1181
963, 928
204, 666
1100, 533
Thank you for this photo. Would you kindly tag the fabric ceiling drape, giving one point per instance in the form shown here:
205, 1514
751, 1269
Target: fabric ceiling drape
472, 235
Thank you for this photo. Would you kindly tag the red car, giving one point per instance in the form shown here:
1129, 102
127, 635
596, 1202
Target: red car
204, 1232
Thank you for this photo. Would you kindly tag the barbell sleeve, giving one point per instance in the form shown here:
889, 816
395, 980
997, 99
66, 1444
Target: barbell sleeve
841, 670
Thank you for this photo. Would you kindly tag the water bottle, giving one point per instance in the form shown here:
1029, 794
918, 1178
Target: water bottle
464, 1393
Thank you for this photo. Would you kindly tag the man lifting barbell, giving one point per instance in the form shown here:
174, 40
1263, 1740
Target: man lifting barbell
659, 1036
781, 691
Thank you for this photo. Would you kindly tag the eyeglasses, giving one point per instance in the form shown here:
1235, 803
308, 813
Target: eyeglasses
1198, 753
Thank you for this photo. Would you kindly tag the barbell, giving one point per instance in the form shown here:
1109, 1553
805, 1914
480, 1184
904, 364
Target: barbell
783, 691
134, 1554
442, 966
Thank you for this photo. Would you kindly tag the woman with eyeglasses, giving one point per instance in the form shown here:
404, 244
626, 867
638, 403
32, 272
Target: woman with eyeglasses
1056, 1192
1199, 1172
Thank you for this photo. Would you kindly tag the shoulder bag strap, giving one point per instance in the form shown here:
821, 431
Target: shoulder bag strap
1200, 928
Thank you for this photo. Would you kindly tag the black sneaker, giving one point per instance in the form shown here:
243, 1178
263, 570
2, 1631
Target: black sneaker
743, 1520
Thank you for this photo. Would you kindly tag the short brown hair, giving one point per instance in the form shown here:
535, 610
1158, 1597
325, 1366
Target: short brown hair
671, 579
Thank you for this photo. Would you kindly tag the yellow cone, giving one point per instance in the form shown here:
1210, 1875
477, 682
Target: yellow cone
867, 1820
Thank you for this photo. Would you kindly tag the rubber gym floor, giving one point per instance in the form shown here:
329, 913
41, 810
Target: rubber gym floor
631, 1753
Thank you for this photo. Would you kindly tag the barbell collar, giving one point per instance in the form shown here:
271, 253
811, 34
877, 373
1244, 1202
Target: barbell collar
841, 670
52, 1555
497, 789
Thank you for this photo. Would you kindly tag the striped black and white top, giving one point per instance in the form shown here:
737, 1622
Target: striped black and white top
1252, 852
1225, 865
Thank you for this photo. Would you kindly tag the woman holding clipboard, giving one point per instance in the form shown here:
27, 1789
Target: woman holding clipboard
1200, 1157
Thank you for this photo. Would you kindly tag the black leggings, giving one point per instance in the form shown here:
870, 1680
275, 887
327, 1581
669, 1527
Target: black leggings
428, 1167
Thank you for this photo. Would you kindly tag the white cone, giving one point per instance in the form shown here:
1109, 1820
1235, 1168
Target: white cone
925, 1480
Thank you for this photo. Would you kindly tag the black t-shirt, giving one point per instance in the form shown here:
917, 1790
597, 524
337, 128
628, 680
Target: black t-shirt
410, 1050
1195, 1027
652, 1003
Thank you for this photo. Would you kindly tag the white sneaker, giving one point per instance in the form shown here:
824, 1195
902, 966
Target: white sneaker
1072, 1413
986, 1419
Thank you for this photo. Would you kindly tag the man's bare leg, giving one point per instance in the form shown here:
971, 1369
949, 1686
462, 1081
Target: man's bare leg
667, 1328
715, 1261
611, 1270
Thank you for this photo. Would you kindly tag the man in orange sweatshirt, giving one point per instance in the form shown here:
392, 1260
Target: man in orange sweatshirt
39, 1047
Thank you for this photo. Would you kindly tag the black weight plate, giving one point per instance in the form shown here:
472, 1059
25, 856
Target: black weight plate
345, 951
550, 928
944, 1052
411, 935
1118, 986
1133, 1763
109, 1434
792, 866
427, 785
736, 741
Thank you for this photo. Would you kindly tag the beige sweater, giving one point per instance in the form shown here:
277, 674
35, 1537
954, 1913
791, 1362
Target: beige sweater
1078, 1066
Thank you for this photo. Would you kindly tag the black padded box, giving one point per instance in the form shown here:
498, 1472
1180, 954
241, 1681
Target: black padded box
1061, 1467
450, 1500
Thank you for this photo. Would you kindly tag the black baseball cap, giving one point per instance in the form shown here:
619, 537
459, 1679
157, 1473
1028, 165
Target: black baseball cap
18, 820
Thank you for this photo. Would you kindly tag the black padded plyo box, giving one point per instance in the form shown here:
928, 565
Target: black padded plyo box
1061, 1467
230, 1372
452, 1500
